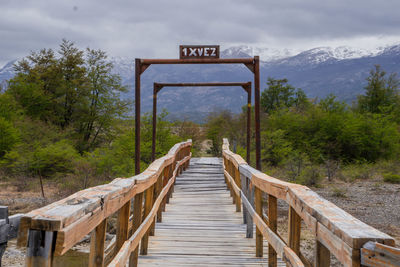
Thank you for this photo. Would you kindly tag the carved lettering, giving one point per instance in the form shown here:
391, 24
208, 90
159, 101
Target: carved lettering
199, 51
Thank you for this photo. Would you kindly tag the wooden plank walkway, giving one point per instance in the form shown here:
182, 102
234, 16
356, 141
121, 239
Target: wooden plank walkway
200, 226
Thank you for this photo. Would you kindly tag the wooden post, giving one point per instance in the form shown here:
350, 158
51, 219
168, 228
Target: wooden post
164, 183
40, 248
230, 171
258, 207
237, 179
97, 240
153, 139
122, 225
272, 223
294, 231
138, 72
322, 255
147, 208
248, 130
157, 190
137, 220
257, 110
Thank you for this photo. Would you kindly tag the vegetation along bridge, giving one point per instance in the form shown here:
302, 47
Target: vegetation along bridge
179, 212
202, 211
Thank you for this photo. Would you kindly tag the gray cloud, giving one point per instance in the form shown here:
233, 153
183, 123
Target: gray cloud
156, 28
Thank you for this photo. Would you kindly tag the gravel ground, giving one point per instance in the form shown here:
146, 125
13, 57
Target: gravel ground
373, 202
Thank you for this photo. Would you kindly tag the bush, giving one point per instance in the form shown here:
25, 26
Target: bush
391, 178
54, 158
339, 192
310, 176
8, 136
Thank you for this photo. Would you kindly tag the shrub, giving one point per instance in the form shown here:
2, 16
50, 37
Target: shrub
339, 192
311, 176
57, 157
8, 136
391, 178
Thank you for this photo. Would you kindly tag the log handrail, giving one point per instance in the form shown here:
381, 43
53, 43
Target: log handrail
335, 230
133, 242
66, 222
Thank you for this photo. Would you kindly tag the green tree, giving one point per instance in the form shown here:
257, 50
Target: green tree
76, 91
281, 94
102, 104
8, 136
381, 92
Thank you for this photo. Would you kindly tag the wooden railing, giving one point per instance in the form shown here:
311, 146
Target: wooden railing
335, 230
54, 229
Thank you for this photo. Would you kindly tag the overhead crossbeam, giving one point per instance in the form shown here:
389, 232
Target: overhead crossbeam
159, 86
253, 64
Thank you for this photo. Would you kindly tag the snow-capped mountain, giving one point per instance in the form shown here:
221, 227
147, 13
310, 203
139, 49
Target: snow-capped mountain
318, 71
266, 54
6, 72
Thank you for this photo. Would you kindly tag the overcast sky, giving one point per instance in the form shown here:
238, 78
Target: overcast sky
149, 28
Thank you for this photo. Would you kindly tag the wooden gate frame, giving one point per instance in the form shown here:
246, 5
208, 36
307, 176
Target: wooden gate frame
157, 87
253, 64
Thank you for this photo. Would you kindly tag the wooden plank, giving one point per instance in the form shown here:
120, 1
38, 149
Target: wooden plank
376, 254
347, 231
201, 230
40, 249
258, 202
236, 176
137, 220
131, 245
147, 208
60, 214
322, 255
97, 242
122, 225
294, 231
272, 223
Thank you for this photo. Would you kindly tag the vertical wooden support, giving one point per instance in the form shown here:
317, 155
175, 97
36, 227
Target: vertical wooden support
164, 181
237, 179
122, 225
272, 223
249, 220
322, 255
257, 110
226, 180
243, 181
258, 202
40, 248
97, 241
157, 190
248, 144
138, 72
137, 220
294, 231
170, 173
230, 171
148, 204
153, 137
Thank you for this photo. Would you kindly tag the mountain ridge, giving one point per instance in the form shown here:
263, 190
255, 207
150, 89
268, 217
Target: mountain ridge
319, 72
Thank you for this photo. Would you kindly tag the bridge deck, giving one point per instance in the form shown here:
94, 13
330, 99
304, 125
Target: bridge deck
200, 226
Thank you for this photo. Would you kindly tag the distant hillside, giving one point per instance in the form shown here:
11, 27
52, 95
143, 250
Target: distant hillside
319, 72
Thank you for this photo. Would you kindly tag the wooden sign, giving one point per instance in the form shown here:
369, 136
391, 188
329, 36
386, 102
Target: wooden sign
198, 51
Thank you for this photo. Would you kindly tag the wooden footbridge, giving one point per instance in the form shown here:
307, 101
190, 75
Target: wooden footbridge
201, 212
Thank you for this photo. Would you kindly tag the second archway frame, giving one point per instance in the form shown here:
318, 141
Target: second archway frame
245, 85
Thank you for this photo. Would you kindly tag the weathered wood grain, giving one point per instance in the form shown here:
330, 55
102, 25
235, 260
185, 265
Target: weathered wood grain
201, 227
77, 215
342, 234
133, 242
